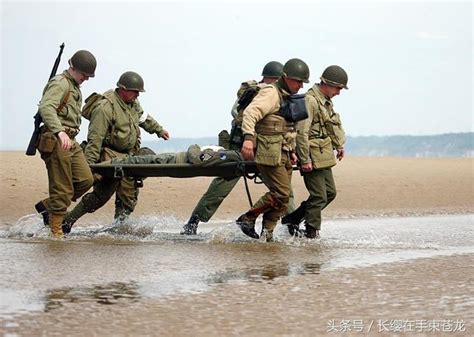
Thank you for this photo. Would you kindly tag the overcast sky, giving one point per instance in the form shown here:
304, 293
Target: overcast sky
409, 64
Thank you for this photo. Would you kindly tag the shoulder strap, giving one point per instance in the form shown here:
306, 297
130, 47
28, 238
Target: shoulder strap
65, 98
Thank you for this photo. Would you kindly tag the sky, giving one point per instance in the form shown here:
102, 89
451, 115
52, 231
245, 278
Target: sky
409, 63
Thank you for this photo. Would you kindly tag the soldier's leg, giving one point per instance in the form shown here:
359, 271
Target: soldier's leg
330, 186
42, 208
217, 191
316, 185
278, 181
61, 190
90, 202
81, 173
126, 198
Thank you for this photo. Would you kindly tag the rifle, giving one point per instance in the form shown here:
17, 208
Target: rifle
31, 150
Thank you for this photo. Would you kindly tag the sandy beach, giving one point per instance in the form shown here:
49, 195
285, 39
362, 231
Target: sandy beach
366, 187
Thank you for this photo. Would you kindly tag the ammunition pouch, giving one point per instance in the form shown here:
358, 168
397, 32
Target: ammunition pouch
321, 152
269, 149
293, 108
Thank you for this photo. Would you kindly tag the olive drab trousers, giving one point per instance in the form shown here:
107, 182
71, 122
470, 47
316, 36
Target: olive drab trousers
322, 191
218, 190
278, 181
102, 192
126, 195
69, 177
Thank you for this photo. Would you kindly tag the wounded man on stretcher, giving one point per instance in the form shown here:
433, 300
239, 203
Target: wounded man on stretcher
196, 161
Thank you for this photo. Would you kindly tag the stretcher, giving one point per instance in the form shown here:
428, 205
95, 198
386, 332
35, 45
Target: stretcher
225, 170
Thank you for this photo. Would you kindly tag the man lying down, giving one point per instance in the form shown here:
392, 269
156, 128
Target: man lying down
196, 155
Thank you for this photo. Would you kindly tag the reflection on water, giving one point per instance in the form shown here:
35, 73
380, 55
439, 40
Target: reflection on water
111, 293
265, 273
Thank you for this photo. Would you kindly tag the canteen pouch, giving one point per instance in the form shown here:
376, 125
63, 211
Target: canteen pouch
47, 141
293, 108
322, 154
269, 149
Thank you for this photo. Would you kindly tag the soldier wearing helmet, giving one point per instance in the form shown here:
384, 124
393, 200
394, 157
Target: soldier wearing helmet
114, 132
269, 139
317, 139
220, 188
60, 108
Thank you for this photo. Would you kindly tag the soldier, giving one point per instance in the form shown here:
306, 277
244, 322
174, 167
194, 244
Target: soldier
220, 187
114, 131
69, 176
317, 139
274, 138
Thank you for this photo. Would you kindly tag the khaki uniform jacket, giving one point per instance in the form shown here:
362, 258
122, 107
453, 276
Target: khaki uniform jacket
265, 105
115, 124
53, 95
321, 133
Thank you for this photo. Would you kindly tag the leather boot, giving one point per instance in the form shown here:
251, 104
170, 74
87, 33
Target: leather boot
41, 209
72, 216
55, 221
247, 224
296, 216
121, 215
311, 232
293, 220
191, 227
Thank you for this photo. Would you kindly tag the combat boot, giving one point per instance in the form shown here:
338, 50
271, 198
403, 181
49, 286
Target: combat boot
191, 227
55, 221
311, 232
72, 216
41, 209
247, 224
121, 215
296, 216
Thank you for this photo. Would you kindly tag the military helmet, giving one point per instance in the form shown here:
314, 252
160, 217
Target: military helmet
335, 76
131, 81
84, 62
297, 70
272, 69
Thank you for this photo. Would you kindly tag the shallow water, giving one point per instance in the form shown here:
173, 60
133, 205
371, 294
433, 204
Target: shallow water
150, 268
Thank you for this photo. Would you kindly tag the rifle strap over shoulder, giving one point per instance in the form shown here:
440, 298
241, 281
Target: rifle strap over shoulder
65, 98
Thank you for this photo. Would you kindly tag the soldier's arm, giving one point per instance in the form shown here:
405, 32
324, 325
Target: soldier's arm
336, 131
149, 124
99, 125
303, 129
52, 97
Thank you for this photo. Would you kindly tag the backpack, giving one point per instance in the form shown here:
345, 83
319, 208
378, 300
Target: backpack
247, 91
91, 103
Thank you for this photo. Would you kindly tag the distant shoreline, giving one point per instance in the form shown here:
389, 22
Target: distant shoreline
449, 145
